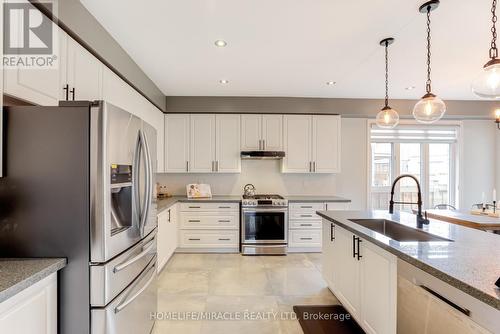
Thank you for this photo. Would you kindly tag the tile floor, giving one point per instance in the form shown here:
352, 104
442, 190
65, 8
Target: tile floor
232, 285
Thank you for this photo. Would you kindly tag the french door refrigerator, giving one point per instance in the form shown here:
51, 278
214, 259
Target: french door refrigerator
78, 183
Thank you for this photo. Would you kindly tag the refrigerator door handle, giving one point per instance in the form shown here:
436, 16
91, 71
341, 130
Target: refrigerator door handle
147, 197
146, 249
149, 182
121, 306
135, 179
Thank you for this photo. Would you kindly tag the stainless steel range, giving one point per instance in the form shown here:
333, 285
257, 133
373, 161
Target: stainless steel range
264, 225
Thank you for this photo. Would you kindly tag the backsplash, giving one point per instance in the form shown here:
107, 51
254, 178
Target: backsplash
264, 174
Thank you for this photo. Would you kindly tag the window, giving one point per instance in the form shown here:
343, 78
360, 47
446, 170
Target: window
426, 152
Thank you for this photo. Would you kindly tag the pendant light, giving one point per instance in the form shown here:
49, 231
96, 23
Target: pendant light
430, 108
387, 118
487, 84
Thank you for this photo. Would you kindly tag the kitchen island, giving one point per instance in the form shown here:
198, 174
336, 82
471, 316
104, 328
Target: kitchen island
465, 262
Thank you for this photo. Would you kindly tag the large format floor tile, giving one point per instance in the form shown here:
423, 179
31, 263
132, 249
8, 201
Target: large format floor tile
254, 294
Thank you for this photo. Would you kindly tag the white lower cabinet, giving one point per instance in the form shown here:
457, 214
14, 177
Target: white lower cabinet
167, 235
363, 276
209, 227
33, 310
304, 225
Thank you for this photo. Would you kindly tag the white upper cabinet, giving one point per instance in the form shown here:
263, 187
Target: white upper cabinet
39, 86
297, 134
272, 132
312, 144
251, 132
177, 143
202, 144
119, 93
159, 124
84, 73
326, 144
261, 132
228, 144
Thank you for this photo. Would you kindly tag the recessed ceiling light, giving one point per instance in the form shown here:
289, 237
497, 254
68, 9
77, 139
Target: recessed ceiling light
330, 83
223, 81
410, 88
220, 43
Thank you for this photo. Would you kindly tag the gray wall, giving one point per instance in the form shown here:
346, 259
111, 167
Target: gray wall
346, 107
74, 16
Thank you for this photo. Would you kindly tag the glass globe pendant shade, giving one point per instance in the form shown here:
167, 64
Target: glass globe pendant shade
487, 84
387, 118
429, 109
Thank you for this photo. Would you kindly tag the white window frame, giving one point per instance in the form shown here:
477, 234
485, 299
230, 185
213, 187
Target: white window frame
456, 154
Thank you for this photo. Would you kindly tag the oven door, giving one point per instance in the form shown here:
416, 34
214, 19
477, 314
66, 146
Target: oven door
264, 226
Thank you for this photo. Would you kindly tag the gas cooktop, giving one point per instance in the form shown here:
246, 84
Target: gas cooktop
264, 200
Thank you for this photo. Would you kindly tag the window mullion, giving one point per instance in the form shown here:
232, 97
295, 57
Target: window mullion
425, 175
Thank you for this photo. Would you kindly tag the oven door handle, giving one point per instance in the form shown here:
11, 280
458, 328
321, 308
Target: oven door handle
271, 210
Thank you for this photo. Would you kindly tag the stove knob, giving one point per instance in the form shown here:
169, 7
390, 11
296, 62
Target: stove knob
245, 202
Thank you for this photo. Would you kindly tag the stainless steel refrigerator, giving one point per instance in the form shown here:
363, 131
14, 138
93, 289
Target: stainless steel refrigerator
78, 183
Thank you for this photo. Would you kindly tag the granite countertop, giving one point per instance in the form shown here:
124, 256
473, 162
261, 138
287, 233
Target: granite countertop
312, 199
165, 203
19, 274
471, 263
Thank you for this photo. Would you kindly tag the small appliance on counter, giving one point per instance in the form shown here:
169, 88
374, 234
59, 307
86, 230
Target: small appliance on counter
196, 190
161, 191
264, 223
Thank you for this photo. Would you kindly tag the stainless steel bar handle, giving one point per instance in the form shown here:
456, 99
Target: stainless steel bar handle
121, 306
217, 165
314, 166
187, 166
135, 180
148, 190
264, 144
150, 170
146, 249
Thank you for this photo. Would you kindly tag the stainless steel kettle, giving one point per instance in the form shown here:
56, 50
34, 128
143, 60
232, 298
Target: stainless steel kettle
249, 190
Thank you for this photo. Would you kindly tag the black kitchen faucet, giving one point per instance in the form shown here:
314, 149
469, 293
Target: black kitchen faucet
421, 221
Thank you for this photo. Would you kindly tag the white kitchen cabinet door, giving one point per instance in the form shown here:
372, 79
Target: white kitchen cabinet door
328, 262
297, 143
202, 144
272, 132
84, 73
347, 272
326, 143
177, 143
167, 238
378, 279
228, 143
118, 92
33, 310
251, 132
39, 86
159, 124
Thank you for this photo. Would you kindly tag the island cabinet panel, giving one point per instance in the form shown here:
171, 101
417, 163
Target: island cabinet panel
362, 276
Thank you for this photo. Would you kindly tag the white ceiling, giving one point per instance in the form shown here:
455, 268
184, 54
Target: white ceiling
293, 47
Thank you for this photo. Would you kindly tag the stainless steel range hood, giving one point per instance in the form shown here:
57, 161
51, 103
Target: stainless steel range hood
261, 155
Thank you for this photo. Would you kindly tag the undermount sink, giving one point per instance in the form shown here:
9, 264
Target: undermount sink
397, 231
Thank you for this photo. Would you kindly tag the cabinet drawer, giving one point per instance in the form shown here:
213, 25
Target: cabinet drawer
308, 216
305, 224
207, 206
209, 221
332, 206
305, 238
306, 207
209, 239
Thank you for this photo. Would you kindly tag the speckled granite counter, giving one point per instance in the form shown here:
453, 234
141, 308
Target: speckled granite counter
470, 263
314, 199
19, 274
162, 204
